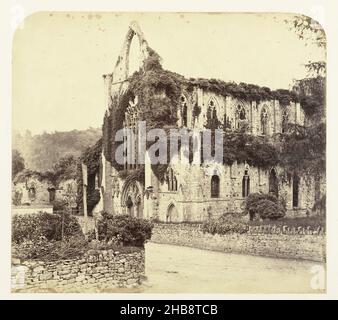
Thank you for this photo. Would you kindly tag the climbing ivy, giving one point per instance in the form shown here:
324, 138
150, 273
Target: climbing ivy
92, 158
304, 151
134, 174
159, 93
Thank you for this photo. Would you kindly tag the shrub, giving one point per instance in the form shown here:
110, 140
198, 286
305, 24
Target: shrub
320, 206
129, 231
59, 205
102, 245
268, 209
264, 206
16, 198
49, 250
225, 224
312, 221
33, 227
29, 249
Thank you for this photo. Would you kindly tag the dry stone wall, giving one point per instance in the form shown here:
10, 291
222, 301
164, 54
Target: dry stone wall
262, 241
95, 271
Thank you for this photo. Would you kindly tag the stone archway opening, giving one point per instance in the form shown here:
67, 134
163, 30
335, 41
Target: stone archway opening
135, 56
132, 199
130, 206
273, 183
172, 214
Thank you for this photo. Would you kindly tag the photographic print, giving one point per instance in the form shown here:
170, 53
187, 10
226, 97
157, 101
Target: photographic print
168, 153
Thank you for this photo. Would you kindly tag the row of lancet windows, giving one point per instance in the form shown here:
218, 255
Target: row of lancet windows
171, 181
273, 186
215, 185
240, 116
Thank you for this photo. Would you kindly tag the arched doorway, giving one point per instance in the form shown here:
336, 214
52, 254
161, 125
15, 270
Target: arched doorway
172, 214
51, 194
132, 199
245, 184
215, 186
273, 183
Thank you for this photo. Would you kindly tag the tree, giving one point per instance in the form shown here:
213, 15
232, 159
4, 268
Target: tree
18, 162
308, 30
306, 152
65, 168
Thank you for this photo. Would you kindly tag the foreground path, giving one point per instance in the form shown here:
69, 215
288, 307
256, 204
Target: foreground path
176, 269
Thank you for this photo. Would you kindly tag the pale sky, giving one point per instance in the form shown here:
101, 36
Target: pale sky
59, 58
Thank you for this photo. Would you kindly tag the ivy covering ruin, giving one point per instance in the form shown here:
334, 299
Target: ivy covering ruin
91, 157
159, 91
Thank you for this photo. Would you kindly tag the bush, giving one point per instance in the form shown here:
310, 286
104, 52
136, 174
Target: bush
225, 224
312, 221
264, 206
71, 248
320, 206
59, 205
34, 227
16, 198
268, 209
129, 231
49, 250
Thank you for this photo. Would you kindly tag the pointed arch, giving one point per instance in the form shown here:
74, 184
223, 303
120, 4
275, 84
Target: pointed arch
295, 191
171, 180
240, 116
273, 182
132, 198
264, 121
215, 186
285, 121
246, 184
121, 69
212, 118
172, 213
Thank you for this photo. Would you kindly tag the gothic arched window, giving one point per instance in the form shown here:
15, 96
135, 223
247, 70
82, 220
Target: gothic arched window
184, 109
215, 186
245, 184
240, 116
285, 121
212, 121
174, 184
171, 180
32, 193
264, 122
273, 183
295, 191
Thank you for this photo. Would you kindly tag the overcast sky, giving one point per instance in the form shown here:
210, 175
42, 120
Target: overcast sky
59, 58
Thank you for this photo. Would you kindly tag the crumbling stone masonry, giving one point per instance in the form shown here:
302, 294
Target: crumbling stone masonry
197, 192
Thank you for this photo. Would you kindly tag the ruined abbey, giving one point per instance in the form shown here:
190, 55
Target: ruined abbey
189, 192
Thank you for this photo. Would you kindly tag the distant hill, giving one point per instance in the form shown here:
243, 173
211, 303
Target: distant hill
41, 151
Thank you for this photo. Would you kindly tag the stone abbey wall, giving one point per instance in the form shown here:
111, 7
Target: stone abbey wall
191, 200
95, 271
36, 191
228, 109
282, 243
